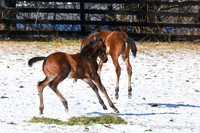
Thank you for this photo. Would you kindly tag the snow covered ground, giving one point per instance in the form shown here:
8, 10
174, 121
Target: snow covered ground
166, 93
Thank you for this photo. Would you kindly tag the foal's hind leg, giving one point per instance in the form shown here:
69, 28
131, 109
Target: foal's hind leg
129, 72
118, 72
53, 85
95, 89
41, 85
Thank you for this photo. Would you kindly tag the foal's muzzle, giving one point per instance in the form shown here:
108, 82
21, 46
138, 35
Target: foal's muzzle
105, 60
104, 57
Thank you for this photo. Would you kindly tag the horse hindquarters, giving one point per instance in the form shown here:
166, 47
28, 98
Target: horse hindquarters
125, 57
56, 70
63, 72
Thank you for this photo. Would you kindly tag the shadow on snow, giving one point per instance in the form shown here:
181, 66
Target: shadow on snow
163, 105
129, 114
154, 105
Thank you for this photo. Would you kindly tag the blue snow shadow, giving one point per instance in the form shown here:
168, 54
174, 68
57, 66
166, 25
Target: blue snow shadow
130, 114
164, 105
153, 105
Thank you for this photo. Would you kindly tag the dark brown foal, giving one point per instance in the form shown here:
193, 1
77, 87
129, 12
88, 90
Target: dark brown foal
59, 66
117, 43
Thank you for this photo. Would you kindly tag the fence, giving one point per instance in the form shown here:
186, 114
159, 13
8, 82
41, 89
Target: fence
141, 19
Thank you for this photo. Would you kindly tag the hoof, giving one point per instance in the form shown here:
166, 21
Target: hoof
129, 96
41, 110
66, 110
117, 111
65, 105
105, 108
75, 80
116, 97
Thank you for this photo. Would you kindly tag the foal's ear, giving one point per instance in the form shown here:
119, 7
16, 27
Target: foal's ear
101, 42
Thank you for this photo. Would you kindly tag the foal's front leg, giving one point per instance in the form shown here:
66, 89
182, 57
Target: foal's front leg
95, 89
103, 90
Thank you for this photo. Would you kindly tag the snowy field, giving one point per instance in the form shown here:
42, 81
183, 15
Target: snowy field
166, 93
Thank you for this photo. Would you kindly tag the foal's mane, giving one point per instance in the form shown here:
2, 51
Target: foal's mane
90, 44
93, 32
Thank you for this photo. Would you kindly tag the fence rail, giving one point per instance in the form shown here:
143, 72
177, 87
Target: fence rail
79, 22
144, 2
147, 18
94, 11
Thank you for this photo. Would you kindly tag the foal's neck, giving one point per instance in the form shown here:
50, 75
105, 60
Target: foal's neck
91, 54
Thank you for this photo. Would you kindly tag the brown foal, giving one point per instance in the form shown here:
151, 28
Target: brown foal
83, 65
117, 43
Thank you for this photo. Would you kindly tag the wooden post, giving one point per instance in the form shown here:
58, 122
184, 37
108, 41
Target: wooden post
10, 3
82, 17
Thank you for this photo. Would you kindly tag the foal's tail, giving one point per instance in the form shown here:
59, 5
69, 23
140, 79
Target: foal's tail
35, 59
132, 44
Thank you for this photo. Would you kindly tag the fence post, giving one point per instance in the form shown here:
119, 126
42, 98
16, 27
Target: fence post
8, 26
82, 18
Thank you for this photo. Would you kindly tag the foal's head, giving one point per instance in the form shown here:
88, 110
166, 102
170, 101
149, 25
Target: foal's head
95, 48
87, 39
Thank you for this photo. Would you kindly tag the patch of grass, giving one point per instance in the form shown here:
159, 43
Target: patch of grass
105, 119
148, 130
12, 123
170, 45
47, 121
82, 120
54, 43
63, 41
